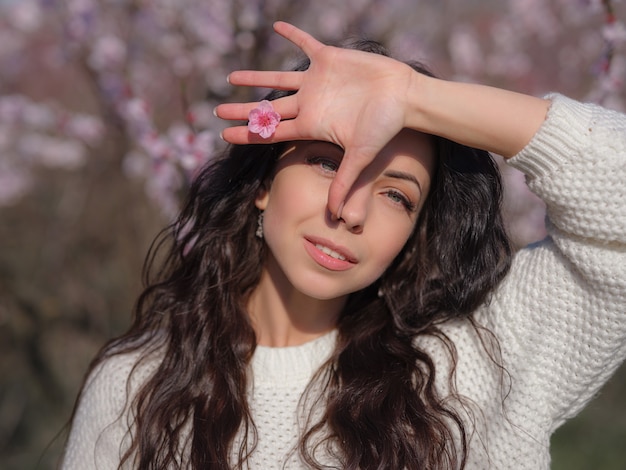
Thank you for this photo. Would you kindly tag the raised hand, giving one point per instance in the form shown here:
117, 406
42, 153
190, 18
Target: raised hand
354, 99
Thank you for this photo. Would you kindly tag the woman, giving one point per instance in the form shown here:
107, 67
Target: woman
377, 328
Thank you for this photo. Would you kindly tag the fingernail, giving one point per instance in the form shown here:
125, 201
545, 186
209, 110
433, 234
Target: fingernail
228, 79
221, 136
340, 210
215, 111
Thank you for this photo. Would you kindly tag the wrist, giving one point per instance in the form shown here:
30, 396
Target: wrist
419, 100
484, 117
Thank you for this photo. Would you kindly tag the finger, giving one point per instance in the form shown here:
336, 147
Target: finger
304, 41
266, 79
240, 135
349, 170
287, 107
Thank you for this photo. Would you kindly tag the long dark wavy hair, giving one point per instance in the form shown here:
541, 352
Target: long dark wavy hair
380, 406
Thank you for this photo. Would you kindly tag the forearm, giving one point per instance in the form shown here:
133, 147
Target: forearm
479, 116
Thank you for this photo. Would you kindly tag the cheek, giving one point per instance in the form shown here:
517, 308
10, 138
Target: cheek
290, 203
388, 244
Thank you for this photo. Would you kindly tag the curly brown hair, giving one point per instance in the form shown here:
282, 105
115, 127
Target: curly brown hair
381, 408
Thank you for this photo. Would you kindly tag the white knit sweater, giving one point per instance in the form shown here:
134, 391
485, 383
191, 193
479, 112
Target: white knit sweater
559, 316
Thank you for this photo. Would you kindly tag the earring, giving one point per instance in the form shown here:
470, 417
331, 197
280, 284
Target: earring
259, 228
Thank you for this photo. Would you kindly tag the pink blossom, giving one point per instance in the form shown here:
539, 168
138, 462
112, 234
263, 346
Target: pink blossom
26, 16
12, 108
614, 32
38, 116
151, 62
201, 148
80, 18
136, 113
136, 164
190, 150
109, 52
263, 120
155, 146
89, 129
52, 152
180, 137
465, 51
163, 185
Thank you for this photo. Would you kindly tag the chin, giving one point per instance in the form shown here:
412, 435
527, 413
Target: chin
318, 294
319, 291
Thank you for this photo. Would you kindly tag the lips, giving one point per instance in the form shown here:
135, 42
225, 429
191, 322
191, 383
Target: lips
330, 252
329, 255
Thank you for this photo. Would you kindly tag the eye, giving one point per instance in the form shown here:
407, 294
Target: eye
396, 197
325, 164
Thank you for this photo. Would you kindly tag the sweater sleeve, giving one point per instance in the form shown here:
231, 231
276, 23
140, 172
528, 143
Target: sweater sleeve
99, 433
560, 314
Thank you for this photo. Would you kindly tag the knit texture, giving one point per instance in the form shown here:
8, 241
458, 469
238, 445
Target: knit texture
559, 319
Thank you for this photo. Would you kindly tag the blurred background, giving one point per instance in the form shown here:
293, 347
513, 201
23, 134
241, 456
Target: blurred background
106, 113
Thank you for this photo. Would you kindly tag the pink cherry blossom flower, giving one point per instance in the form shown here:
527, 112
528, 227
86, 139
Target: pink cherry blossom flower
263, 120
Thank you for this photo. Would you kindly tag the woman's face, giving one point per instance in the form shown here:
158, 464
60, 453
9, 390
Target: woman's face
324, 258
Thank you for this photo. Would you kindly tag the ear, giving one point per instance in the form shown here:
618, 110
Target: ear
262, 198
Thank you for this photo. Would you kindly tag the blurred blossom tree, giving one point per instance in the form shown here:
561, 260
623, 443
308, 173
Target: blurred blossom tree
154, 69
130, 84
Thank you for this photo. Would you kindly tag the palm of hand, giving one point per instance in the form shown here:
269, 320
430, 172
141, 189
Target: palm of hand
352, 98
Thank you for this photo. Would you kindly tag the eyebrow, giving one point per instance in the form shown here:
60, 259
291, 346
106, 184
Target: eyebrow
403, 176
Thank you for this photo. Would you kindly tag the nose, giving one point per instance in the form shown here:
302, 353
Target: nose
355, 209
